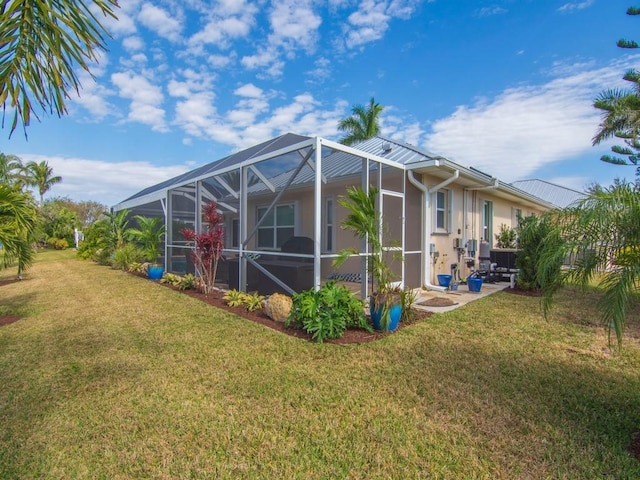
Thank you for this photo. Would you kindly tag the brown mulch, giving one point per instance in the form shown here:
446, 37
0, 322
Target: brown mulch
438, 302
351, 336
7, 319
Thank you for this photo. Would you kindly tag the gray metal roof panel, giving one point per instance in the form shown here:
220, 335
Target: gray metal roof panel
552, 193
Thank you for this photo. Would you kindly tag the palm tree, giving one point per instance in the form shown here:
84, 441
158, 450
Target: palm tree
18, 219
603, 233
362, 124
11, 169
40, 175
149, 235
43, 44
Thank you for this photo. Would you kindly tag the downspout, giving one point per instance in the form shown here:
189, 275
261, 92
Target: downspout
426, 221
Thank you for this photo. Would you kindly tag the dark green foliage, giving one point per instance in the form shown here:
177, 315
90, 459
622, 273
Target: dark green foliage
602, 233
57, 221
362, 124
148, 236
328, 312
96, 244
537, 234
407, 298
126, 255
507, 237
621, 114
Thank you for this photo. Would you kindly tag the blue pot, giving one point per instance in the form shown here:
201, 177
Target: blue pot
155, 272
394, 313
444, 280
474, 283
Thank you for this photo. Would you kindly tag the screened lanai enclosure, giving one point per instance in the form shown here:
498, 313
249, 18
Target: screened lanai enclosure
281, 214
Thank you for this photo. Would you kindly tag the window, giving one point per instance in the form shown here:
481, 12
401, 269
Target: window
327, 220
517, 215
277, 227
487, 222
443, 212
235, 232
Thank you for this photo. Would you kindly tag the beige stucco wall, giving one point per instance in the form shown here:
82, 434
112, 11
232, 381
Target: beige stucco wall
503, 213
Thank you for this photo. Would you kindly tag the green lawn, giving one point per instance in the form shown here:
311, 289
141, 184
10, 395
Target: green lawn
112, 376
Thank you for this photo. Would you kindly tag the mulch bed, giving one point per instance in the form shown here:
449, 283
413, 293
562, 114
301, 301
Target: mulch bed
351, 336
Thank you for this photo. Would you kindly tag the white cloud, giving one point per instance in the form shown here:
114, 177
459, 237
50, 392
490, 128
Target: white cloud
146, 99
104, 182
249, 90
294, 25
160, 21
133, 43
221, 61
490, 11
526, 127
93, 98
573, 6
367, 24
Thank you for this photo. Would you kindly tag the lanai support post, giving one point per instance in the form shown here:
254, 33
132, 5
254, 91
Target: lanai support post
317, 211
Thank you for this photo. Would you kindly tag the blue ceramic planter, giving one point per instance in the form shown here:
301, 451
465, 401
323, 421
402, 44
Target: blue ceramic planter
475, 284
394, 313
155, 272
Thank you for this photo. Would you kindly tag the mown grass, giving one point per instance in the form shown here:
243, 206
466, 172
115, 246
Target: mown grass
112, 376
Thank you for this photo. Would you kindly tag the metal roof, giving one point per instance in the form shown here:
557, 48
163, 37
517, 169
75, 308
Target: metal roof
335, 164
552, 193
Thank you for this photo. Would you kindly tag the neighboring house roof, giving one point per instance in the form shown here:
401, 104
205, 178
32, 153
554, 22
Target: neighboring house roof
556, 195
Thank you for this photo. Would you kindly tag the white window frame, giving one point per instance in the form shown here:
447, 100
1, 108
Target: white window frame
446, 209
487, 223
329, 224
275, 225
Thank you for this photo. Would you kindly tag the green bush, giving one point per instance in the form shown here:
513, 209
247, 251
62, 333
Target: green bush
328, 312
250, 301
507, 237
535, 234
126, 255
57, 243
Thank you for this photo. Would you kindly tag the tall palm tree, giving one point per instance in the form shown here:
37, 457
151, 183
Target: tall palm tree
18, 219
40, 175
43, 44
363, 123
603, 233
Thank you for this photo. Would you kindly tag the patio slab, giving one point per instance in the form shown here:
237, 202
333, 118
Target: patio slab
459, 298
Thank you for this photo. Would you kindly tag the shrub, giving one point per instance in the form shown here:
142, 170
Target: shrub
253, 302
507, 237
57, 243
126, 255
328, 312
250, 301
234, 298
188, 282
535, 234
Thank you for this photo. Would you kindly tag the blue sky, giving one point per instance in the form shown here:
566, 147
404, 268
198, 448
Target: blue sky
505, 86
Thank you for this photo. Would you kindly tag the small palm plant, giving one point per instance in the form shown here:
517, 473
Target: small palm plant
364, 222
148, 235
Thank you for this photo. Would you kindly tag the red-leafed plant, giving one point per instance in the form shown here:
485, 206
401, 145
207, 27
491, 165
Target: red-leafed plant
207, 246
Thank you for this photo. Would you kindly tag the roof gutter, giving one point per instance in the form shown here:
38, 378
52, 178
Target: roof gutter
426, 222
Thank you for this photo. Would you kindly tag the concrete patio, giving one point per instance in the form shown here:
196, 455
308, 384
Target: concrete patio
459, 298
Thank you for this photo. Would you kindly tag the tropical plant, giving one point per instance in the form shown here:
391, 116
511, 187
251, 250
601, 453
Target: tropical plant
253, 301
11, 170
117, 231
207, 246
234, 298
18, 220
363, 123
97, 242
43, 44
536, 234
621, 114
407, 299
328, 312
602, 233
148, 235
57, 221
506, 238
40, 175
126, 255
